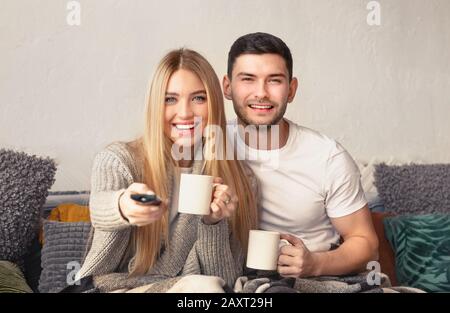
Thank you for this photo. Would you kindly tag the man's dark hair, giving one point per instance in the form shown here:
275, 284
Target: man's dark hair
259, 43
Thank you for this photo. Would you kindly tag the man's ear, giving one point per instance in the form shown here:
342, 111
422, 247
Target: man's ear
226, 85
292, 89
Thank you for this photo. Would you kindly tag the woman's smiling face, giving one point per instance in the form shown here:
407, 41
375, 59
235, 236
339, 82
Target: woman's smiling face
186, 108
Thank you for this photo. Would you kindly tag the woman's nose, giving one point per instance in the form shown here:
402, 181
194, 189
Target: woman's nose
185, 110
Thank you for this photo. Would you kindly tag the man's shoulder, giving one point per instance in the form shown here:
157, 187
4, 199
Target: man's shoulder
325, 148
312, 138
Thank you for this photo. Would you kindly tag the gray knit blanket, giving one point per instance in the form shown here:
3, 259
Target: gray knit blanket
361, 283
255, 283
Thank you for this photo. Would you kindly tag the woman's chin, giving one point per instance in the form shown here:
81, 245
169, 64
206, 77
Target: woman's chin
185, 142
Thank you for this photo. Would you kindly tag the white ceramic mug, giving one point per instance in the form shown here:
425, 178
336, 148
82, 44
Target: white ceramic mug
195, 194
263, 249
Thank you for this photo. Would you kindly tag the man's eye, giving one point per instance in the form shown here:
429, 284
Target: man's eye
199, 99
277, 81
246, 79
170, 100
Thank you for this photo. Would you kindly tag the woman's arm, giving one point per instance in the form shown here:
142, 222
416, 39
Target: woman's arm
218, 253
110, 178
218, 250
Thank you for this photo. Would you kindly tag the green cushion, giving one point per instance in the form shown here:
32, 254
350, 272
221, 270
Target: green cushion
11, 279
422, 250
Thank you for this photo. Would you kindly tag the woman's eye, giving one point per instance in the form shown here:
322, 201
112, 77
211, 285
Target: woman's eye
199, 99
170, 100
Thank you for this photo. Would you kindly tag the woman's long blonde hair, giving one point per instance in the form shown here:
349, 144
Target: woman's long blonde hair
155, 149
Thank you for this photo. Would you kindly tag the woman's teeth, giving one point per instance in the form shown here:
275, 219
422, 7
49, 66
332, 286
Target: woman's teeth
184, 126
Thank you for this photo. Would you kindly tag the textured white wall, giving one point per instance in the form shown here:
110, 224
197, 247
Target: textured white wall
66, 91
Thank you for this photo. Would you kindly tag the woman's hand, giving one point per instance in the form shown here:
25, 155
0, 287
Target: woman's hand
139, 214
224, 203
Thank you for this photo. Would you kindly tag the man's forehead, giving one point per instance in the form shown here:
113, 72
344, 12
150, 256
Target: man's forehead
267, 63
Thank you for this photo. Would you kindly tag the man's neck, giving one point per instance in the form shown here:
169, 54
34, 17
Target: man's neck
267, 138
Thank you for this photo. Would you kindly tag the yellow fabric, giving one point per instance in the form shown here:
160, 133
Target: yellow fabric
70, 212
67, 212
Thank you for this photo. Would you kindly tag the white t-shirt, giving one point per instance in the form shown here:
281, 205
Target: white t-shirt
304, 183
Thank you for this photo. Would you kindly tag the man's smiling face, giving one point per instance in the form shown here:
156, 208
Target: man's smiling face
259, 88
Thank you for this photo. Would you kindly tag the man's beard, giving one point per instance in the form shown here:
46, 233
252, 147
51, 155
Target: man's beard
240, 112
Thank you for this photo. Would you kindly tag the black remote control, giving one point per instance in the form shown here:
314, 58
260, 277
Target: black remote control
147, 199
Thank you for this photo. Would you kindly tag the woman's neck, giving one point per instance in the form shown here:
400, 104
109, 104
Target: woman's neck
185, 163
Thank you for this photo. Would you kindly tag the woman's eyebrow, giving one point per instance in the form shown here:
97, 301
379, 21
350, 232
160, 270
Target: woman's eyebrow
198, 91
192, 93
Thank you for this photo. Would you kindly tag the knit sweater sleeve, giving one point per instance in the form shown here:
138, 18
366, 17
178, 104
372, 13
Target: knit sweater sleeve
110, 178
218, 252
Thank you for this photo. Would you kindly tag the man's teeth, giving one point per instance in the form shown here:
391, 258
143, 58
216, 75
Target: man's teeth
259, 106
184, 127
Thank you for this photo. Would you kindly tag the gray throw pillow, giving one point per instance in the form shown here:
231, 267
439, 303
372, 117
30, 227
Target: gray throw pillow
415, 188
65, 245
24, 184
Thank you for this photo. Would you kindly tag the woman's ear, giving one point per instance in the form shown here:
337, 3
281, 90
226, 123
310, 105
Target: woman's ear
226, 85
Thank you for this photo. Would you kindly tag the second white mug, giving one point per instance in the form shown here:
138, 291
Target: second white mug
263, 249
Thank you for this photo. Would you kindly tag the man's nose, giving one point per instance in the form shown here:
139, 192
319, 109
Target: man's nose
261, 92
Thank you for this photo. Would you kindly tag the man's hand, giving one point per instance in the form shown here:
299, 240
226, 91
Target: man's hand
296, 260
359, 247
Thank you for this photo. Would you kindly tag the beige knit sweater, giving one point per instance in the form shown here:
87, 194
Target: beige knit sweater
194, 247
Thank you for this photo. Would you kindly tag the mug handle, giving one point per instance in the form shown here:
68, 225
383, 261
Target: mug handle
283, 242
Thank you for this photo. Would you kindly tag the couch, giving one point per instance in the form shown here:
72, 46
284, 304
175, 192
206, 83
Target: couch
410, 207
37, 258
387, 254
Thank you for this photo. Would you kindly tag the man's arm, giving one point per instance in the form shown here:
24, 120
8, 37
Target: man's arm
360, 246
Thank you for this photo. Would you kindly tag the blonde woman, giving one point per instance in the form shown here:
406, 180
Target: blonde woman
153, 246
